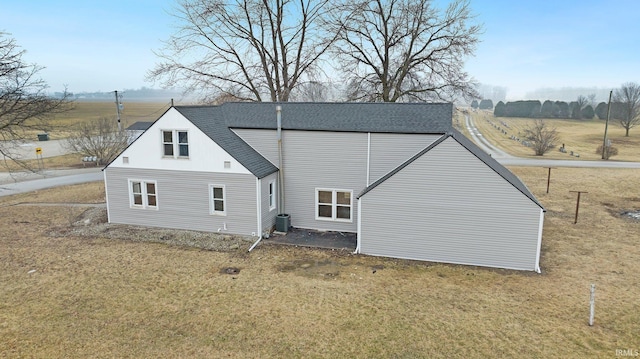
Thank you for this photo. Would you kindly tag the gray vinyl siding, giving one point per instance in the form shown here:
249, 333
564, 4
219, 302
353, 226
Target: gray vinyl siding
183, 200
263, 141
388, 150
321, 159
268, 216
448, 206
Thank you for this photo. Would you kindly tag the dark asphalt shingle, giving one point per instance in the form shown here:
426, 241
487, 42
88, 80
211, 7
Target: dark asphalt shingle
217, 121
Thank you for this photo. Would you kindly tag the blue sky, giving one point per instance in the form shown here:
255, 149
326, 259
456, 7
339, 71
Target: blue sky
526, 45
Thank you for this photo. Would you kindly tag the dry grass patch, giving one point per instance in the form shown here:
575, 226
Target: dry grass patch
581, 136
131, 112
71, 160
96, 297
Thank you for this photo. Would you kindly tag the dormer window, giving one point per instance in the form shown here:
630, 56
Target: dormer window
171, 147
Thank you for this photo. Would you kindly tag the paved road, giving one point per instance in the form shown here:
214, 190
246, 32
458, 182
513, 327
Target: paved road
21, 182
509, 160
27, 150
482, 142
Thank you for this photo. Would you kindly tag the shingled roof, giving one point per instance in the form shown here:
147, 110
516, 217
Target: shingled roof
476, 151
217, 122
348, 116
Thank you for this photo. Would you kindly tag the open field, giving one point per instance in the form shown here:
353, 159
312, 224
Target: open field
581, 136
85, 111
98, 297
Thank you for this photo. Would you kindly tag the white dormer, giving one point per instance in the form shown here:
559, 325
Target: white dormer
175, 143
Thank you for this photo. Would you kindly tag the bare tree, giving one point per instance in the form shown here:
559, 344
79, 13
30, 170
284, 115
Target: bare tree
542, 138
578, 106
253, 50
314, 91
98, 138
25, 108
627, 105
406, 50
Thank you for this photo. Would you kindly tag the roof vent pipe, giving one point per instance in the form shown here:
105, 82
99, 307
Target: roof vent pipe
280, 162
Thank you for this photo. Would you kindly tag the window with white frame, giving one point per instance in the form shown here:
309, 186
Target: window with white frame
183, 144
217, 198
143, 194
175, 143
334, 205
167, 143
272, 195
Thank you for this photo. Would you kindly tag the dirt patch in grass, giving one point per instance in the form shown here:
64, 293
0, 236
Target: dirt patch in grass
86, 294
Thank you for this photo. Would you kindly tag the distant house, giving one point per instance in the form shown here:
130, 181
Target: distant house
137, 129
398, 175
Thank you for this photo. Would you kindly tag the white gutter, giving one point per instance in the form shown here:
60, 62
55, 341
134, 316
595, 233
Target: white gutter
359, 228
258, 212
540, 226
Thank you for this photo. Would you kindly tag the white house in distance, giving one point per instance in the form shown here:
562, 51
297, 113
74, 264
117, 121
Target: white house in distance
398, 175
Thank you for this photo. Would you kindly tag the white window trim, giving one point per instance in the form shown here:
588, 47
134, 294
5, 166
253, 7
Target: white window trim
163, 143
212, 207
334, 205
178, 143
175, 143
272, 195
145, 197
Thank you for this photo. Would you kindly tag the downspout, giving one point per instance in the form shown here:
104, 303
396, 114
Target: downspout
359, 228
537, 269
368, 157
106, 194
258, 213
280, 161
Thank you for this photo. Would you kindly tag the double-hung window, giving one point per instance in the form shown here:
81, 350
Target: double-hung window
217, 198
272, 195
183, 144
334, 205
143, 194
175, 143
167, 143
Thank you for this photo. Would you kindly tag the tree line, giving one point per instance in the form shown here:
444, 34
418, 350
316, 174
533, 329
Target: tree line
625, 108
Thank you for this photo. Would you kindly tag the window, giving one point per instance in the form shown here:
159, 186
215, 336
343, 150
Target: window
227, 164
272, 195
217, 200
173, 148
334, 205
167, 142
183, 144
142, 194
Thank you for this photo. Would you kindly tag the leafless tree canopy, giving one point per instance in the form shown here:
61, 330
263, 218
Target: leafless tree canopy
24, 105
541, 137
254, 50
100, 138
406, 50
627, 99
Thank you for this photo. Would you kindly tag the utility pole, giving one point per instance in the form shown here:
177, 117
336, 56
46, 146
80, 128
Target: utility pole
118, 111
606, 126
